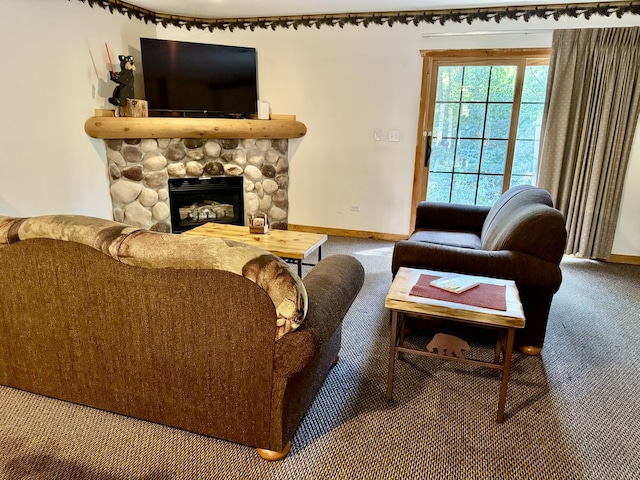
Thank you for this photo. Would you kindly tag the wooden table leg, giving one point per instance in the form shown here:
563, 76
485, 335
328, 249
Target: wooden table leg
392, 353
498, 353
401, 320
506, 366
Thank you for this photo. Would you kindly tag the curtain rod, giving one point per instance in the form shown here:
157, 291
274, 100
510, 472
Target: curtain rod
459, 16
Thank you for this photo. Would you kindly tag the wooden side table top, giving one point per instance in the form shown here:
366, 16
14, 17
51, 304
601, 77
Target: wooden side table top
399, 299
283, 243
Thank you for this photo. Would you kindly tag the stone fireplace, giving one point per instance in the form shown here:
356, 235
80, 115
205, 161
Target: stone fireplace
140, 171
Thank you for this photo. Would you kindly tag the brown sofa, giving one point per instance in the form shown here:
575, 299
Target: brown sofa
521, 238
209, 336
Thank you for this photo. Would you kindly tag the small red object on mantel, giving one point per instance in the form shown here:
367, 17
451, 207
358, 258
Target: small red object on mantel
258, 223
109, 56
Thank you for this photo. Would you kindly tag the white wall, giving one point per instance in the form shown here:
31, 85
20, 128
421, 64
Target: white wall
54, 73
342, 83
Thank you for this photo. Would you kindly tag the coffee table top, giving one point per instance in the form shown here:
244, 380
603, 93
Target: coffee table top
399, 299
283, 243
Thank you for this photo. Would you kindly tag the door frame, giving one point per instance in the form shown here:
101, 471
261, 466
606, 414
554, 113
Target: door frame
428, 86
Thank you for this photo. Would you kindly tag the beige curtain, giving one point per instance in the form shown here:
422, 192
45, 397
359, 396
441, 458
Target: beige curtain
593, 103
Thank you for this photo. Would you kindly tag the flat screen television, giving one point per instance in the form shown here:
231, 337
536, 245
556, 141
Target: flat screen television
199, 79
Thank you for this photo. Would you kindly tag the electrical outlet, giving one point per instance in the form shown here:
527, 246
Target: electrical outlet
394, 135
355, 207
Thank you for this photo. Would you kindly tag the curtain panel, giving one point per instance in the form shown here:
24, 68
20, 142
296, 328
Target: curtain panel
593, 103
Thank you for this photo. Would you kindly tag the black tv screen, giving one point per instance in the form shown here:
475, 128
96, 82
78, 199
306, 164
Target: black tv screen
198, 79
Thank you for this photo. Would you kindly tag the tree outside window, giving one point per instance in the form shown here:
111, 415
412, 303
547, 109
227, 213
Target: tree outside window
481, 115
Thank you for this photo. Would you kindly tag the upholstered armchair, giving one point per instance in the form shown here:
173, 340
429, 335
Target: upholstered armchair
522, 238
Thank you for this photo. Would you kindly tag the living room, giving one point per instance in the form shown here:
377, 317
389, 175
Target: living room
344, 84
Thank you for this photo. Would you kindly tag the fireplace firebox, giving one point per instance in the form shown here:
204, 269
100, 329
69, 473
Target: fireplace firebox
195, 201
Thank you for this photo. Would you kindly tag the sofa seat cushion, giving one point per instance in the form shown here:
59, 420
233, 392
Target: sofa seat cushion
146, 249
448, 237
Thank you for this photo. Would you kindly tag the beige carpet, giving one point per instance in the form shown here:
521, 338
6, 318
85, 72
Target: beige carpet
572, 413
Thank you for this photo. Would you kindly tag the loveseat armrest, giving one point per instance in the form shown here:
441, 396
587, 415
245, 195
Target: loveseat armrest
332, 286
450, 216
526, 270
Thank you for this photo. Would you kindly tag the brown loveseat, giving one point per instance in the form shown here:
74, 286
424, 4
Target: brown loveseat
209, 336
521, 238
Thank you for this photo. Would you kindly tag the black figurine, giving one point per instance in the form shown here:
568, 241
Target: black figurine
124, 79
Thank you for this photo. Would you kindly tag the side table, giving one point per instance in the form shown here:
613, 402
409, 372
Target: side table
401, 303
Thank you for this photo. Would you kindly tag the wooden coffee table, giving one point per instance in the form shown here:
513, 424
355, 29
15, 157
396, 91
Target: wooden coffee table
401, 303
289, 245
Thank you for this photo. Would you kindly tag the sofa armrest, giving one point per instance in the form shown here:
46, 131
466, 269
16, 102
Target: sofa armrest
450, 216
332, 286
526, 270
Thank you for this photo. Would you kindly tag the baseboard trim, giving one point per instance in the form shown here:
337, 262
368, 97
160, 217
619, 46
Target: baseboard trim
339, 232
628, 259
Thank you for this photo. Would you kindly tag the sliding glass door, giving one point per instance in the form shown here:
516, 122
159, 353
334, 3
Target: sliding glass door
481, 113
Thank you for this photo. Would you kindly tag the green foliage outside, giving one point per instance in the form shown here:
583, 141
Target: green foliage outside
471, 130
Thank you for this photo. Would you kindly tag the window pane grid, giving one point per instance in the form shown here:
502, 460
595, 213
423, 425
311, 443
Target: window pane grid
480, 123
472, 131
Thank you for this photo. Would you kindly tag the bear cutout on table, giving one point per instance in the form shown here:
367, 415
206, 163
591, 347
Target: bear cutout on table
124, 79
448, 345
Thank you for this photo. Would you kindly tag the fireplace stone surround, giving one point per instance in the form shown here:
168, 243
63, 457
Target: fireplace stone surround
144, 153
140, 169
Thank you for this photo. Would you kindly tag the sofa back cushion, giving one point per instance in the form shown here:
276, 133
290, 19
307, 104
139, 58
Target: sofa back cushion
142, 248
524, 220
511, 200
188, 348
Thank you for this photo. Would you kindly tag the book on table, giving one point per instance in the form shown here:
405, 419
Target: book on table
455, 284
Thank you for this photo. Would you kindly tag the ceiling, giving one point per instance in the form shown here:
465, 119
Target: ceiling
211, 9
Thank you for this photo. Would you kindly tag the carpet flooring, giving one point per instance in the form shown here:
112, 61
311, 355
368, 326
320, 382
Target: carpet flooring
572, 413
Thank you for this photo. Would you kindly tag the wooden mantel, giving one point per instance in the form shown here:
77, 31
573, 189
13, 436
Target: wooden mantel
163, 127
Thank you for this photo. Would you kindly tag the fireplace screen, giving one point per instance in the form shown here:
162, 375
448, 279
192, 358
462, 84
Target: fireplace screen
195, 201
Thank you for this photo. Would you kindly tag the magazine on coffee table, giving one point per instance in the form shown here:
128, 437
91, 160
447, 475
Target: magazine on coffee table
455, 284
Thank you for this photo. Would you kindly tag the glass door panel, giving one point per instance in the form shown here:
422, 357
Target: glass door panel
481, 114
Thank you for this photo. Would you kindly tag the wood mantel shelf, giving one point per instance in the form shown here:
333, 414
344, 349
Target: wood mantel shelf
163, 127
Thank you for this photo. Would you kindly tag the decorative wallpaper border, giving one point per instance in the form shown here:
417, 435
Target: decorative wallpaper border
496, 14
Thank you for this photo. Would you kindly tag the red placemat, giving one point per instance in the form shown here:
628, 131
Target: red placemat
485, 295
